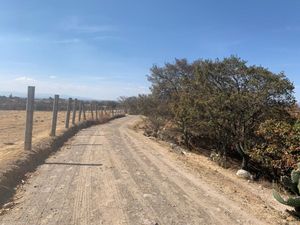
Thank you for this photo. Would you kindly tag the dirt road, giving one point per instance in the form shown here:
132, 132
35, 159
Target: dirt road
109, 174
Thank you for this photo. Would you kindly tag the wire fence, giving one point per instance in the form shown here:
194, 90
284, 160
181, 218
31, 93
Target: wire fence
36, 121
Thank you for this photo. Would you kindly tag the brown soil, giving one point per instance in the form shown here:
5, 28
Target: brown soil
12, 128
15, 162
111, 174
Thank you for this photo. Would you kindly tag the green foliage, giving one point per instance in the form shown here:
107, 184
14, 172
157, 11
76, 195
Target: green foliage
130, 104
293, 184
279, 147
224, 102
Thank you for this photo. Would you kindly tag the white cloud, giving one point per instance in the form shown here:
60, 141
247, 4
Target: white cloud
74, 24
67, 41
106, 37
24, 78
292, 28
92, 28
15, 38
97, 87
287, 28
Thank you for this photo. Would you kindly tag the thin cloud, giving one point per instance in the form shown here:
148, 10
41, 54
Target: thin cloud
52, 77
16, 38
75, 25
292, 28
24, 78
106, 37
287, 28
67, 41
92, 28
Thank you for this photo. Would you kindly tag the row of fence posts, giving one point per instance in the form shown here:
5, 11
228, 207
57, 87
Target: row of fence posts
71, 106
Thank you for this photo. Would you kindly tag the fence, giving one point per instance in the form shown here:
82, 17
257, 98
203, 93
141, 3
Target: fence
76, 111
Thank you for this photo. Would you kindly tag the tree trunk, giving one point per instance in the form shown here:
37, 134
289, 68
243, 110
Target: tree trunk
245, 157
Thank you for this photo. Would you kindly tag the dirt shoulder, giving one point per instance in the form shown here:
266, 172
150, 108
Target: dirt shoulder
13, 170
111, 174
254, 196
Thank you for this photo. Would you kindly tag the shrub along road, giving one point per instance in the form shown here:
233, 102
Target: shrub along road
111, 174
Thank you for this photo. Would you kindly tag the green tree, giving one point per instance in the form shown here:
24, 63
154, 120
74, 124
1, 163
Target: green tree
222, 100
237, 98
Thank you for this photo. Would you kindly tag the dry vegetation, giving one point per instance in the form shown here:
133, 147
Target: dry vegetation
12, 125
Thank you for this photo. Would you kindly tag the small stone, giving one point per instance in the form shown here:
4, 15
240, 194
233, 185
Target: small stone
172, 145
244, 174
147, 195
183, 153
8, 205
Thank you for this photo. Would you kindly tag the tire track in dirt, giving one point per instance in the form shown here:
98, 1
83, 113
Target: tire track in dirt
138, 210
172, 189
202, 185
109, 174
193, 194
160, 191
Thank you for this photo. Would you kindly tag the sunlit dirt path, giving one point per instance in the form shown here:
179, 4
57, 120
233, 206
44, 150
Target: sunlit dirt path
109, 174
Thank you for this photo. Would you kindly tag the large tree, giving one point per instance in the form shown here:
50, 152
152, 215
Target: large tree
238, 98
223, 101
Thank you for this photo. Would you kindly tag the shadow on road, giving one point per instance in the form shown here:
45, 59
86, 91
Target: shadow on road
73, 164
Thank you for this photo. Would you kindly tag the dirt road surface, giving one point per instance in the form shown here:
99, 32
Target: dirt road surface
110, 174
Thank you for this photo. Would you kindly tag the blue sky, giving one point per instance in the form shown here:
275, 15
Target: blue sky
104, 49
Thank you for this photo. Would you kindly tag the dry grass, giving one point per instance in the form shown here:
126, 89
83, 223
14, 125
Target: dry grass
12, 126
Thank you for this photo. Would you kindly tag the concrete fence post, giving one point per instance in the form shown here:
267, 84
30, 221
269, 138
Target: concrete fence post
101, 113
96, 111
91, 108
83, 109
54, 115
68, 112
29, 118
80, 111
74, 111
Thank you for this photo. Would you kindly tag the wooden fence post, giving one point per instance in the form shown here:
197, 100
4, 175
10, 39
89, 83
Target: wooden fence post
54, 115
68, 112
29, 118
74, 111
80, 111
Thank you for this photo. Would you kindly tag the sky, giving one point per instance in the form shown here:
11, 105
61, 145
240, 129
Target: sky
104, 49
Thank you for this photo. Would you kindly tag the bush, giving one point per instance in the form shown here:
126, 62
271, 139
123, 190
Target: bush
279, 147
227, 104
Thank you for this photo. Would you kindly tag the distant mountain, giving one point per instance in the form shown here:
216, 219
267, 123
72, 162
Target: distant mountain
45, 96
